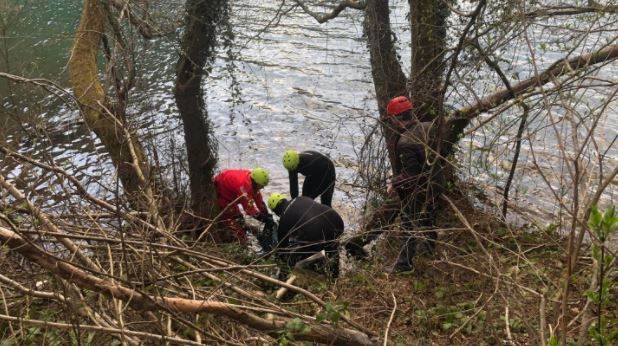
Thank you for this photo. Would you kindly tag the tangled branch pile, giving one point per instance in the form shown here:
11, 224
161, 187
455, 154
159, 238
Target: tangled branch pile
149, 284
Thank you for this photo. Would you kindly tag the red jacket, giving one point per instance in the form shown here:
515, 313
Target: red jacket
234, 186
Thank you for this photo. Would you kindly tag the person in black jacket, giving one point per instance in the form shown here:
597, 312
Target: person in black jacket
319, 172
414, 191
306, 227
418, 186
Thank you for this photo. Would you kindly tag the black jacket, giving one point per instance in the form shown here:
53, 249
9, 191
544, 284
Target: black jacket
415, 151
308, 222
312, 164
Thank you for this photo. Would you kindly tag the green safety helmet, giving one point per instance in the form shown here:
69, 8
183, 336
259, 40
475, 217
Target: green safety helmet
290, 159
260, 176
274, 200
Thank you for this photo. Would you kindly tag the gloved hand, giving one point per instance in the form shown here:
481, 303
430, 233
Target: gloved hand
268, 236
264, 217
270, 225
268, 221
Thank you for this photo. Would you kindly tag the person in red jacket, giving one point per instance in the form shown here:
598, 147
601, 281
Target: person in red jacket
242, 186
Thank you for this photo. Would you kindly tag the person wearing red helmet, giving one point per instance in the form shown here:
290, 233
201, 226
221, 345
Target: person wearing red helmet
398, 106
242, 186
415, 188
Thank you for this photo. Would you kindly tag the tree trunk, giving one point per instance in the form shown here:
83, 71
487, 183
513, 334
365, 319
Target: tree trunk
125, 152
428, 30
197, 50
388, 78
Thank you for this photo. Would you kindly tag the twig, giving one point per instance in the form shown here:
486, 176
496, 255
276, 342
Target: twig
42, 217
463, 219
509, 181
527, 289
145, 28
390, 320
130, 216
463, 325
506, 325
542, 321
460, 44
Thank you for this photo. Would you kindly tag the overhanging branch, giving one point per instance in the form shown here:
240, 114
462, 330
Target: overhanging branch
322, 18
555, 11
558, 69
460, 119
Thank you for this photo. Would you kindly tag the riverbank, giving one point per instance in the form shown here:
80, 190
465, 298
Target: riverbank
487, 284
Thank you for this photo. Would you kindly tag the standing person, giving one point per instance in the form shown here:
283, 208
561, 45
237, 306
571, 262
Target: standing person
414, 191
319, 172
419, 181
242, 186
306, 227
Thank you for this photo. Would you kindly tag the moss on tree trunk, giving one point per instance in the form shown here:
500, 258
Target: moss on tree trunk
123, 149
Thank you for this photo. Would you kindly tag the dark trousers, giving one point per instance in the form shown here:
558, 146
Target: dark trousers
323, 186
417, 220
416, 207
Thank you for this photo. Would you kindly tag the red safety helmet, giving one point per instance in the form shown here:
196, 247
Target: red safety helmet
398, 105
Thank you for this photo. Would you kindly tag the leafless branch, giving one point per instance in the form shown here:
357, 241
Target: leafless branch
560, 68
554, 11
318, 333
322, 18
145, 28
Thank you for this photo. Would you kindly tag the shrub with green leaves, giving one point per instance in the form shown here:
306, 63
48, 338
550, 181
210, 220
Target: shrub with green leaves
332, 312
602, 226
292, 327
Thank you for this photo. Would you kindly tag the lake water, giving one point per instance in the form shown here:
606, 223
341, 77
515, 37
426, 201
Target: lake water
303, 85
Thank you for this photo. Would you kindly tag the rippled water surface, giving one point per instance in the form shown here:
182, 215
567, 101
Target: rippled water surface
303, 85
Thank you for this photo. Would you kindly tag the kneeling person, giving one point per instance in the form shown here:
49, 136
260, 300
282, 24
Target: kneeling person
241, 186
306, 227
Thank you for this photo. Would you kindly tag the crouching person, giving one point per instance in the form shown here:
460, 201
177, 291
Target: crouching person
306, 227
242, 187
319, 172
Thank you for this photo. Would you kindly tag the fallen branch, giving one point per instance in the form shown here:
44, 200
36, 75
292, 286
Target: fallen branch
57, 325
318, 333
301, 264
